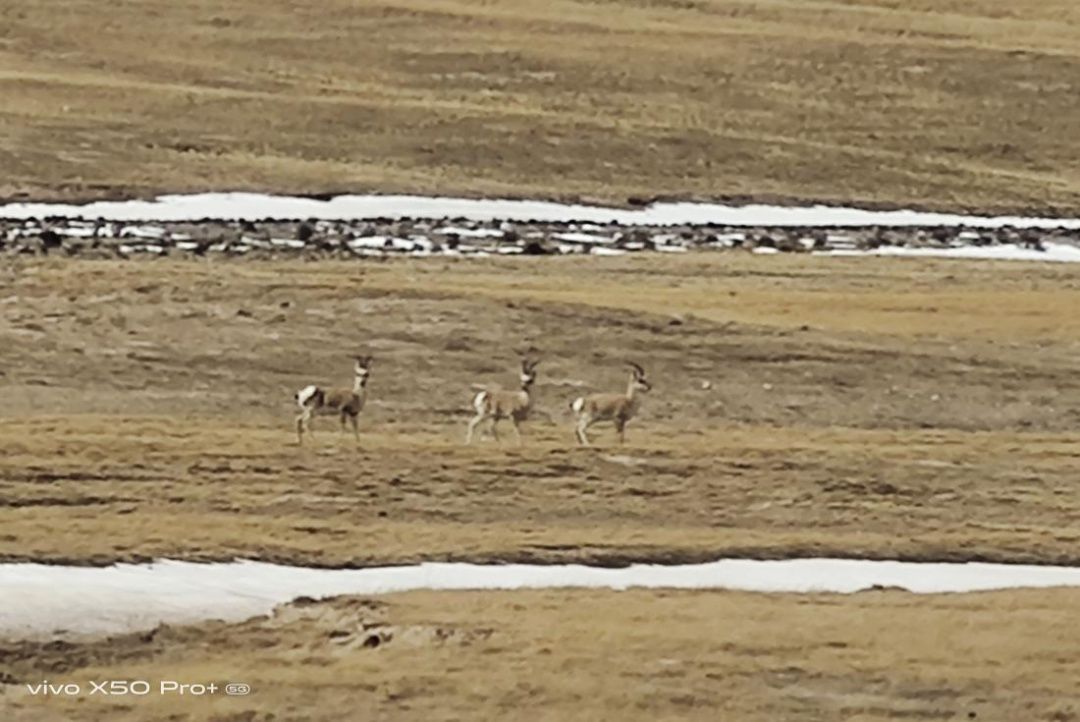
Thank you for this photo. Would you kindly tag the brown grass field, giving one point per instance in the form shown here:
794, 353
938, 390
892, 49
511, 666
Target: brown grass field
967, 104
919, 409
803, 406
883, 408
556, 655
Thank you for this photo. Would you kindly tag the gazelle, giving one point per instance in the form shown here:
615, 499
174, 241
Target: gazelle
345, 403
498, 404
619, 408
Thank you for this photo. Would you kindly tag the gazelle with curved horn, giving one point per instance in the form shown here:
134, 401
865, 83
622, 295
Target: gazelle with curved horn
617, 408
345, 403
498, 404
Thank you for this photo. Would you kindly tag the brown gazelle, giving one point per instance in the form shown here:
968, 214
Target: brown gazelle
343, 402
498, 404
618, 408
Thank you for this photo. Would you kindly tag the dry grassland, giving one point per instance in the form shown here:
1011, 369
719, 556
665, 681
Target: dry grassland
884, 408
937, 103
920, 409
556, 655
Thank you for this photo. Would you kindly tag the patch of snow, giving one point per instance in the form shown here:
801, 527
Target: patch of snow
1055, 252
152, 232
389, 243
255, 242
586, 238
381, 243
256, 206
76, 232
145, 248
41, 599
470, 232
287, 243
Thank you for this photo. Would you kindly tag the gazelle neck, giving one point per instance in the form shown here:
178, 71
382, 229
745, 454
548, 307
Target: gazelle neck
359, 382
631, 388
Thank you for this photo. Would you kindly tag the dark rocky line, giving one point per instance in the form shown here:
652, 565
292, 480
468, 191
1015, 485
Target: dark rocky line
386, 237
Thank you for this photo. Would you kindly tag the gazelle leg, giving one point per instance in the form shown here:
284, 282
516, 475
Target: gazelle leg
355, 430
494, 430
517, 431
582, 424
472, 427
620, 429
302, 424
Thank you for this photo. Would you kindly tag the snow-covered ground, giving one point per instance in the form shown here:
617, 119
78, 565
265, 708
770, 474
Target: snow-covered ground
256, 206
38, 599
1058, 252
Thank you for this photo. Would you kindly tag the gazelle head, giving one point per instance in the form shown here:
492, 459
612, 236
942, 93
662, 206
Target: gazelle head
362, 369
638, 382
528, 373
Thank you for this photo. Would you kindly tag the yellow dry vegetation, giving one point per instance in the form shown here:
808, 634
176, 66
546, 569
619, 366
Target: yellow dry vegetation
596, 655
923, 409
938, 103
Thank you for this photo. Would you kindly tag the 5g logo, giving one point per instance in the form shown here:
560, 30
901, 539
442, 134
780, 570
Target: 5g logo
120, 687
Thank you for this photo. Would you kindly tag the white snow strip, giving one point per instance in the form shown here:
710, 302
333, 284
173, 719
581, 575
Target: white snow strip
76, 232
387, 243
470, 232
583, 238
1055, 252
152, 232
287, 243
255, 206
42, 599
